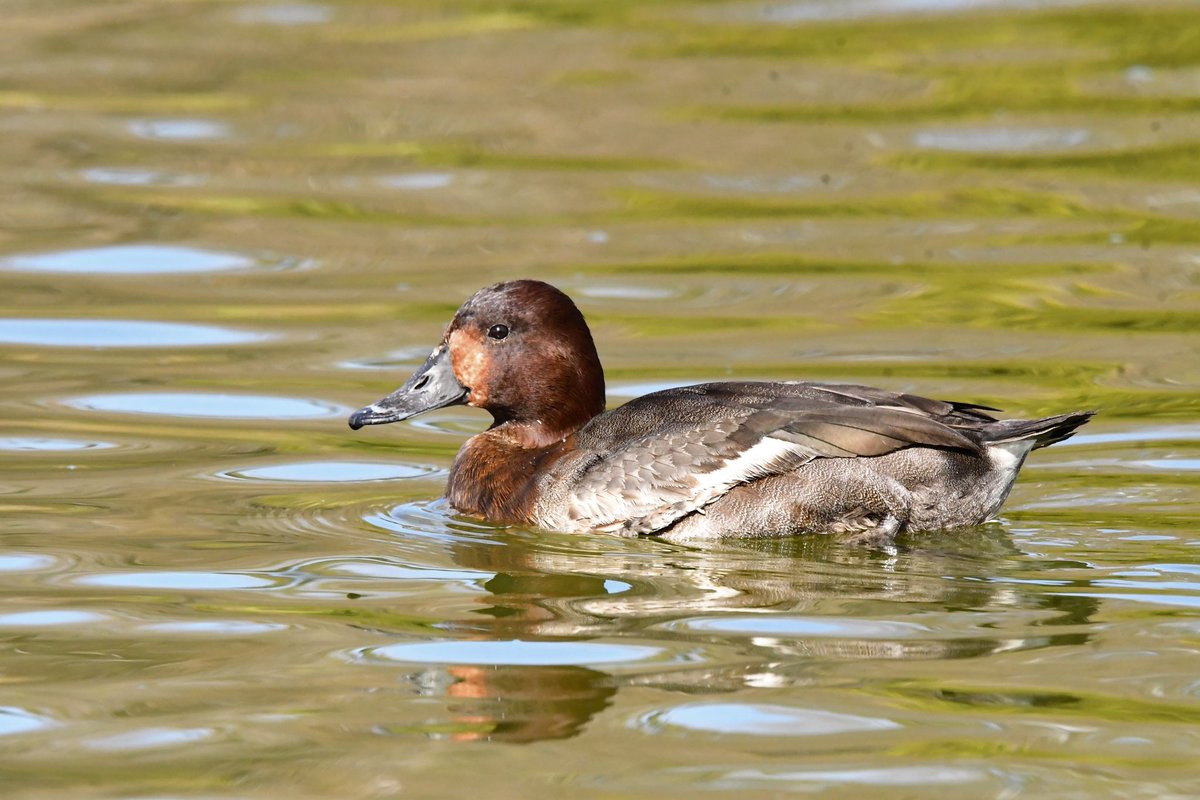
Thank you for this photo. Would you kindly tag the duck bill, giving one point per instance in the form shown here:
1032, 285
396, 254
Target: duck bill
434, 385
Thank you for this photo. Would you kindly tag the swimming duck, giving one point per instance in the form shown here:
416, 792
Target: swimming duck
736, 459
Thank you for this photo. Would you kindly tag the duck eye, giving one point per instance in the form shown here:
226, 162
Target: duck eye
498, 331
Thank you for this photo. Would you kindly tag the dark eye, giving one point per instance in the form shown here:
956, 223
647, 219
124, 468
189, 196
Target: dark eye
498, 331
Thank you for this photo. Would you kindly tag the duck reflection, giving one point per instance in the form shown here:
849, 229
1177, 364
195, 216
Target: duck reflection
758, 608
525, 704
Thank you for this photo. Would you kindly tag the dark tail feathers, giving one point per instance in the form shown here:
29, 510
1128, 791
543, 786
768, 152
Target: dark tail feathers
1044, 432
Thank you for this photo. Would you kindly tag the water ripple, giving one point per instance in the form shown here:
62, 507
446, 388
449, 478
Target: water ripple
404, 358
26, 562
150, 738
646, 387
332, 472
797, 11
366, 568
430, 520
202, 581
887, 776
180, 130
133, 176
101, 333
18, 720
1000, 139
41, 619
219, 406
138, 259
616, 292
761, 719
285, 14
217, 628
415, 181
805, 627
50, 445
512, 653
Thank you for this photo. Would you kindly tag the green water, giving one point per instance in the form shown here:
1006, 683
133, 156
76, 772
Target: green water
223, 225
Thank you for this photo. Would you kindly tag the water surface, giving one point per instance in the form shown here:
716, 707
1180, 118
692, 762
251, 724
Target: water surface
213, 589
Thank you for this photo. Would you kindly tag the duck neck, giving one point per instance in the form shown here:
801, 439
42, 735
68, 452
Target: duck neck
556, 407
531, 435
548, 426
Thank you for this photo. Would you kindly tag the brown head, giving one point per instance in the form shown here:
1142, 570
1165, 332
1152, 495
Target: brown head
520, 350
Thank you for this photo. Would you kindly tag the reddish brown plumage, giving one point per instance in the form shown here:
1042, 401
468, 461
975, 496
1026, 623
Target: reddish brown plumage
544, 377
495, 477
539, 388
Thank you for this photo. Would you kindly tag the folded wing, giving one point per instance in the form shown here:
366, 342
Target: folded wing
663, 456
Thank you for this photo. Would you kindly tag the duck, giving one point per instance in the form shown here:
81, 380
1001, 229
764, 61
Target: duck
738, 459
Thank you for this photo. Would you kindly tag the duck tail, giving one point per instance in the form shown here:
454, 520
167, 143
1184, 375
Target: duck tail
1044, 432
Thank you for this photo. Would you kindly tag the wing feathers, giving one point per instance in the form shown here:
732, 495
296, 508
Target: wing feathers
875, 431
669, 454
837, 441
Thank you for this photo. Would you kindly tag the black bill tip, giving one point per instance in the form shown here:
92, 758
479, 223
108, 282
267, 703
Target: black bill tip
369, 416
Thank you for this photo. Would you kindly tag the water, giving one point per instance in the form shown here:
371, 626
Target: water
224, 225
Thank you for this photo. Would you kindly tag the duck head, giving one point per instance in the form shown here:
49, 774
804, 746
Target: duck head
520, 350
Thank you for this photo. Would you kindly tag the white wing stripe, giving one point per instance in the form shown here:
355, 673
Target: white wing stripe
754, 463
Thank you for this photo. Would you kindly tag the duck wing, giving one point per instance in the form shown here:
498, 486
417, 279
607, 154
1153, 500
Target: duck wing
665, 455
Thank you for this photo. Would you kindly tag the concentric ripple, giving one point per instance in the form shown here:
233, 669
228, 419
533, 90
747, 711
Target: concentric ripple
429, 521
331, 472
367, 568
